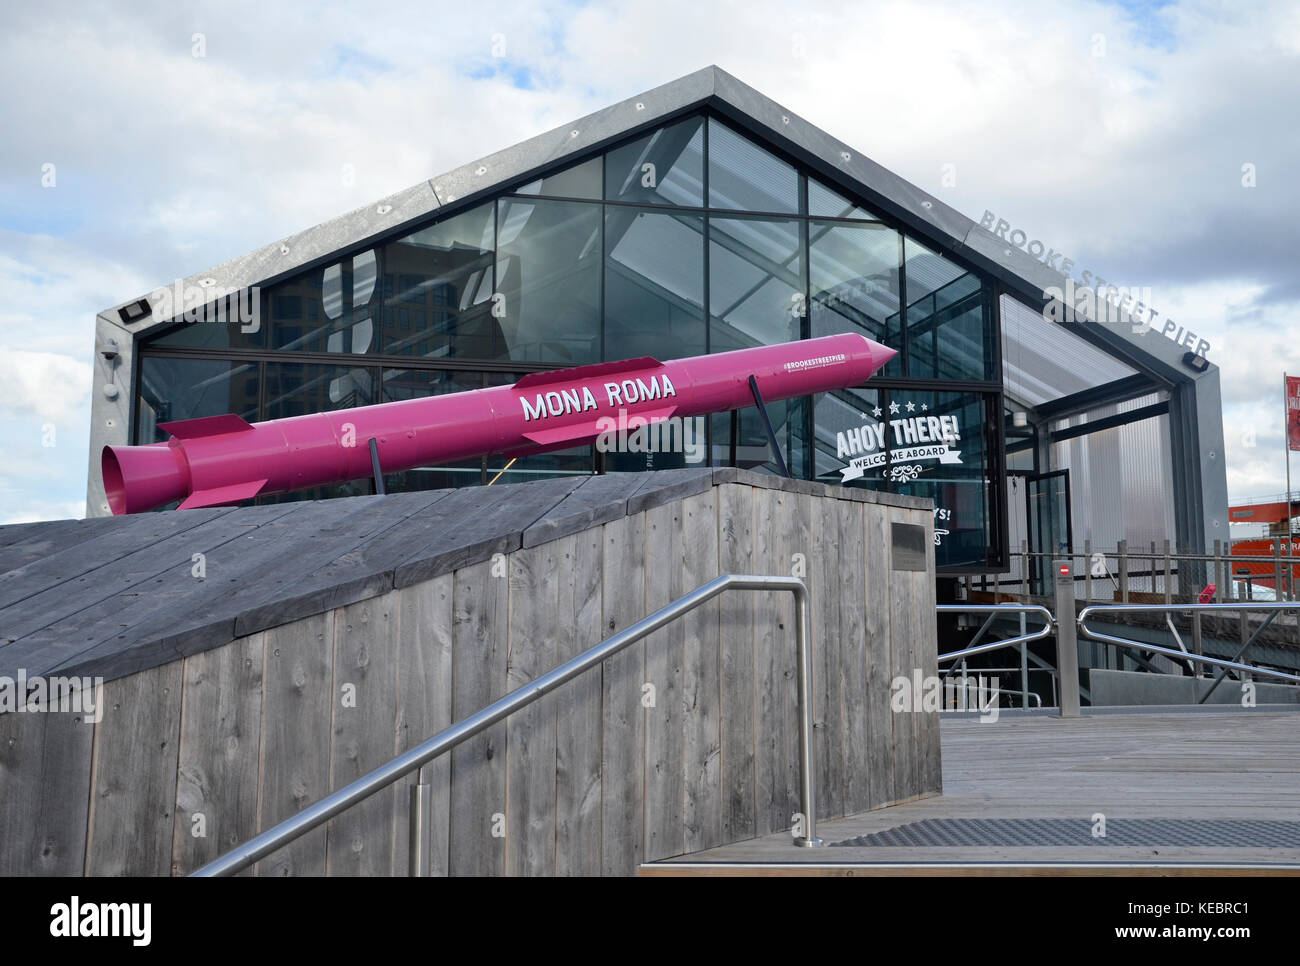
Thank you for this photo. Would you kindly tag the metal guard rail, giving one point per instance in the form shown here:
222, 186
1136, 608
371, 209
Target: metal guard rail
322, 811
1184, 655
1044, 631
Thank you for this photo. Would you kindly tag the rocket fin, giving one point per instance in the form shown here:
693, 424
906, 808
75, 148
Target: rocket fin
222, 495
587, 372
591, 429
206, 426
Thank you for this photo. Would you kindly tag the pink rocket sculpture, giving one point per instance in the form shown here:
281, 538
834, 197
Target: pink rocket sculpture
220, 460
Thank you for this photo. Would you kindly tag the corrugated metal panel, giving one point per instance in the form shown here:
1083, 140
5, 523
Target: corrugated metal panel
1120, 479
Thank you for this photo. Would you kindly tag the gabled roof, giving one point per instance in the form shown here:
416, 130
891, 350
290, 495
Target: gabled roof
836, 162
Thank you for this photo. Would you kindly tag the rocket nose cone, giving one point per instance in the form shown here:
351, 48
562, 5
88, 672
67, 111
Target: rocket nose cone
138, 478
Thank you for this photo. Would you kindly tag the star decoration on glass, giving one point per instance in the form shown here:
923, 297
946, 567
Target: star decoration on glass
877, 412
893, 408
924, 407
911, 407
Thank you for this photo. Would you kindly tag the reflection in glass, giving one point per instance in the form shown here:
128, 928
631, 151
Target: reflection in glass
666, 167
745, 177
438, 290
939, 450
654, 284
579, 181
756, 282
852, 427
949, 322
740, 439
548, 276
854, 283
176, 389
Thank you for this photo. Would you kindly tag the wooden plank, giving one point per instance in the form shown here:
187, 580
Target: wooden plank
664, 657
904, 661
360, 840
702, 677
45, 761
221, 726
578, 726
297, 720
133, 783
597, 500
877, 622
530, 732
926, 624
622, 759
855, 698
424, 699
736, 654
773, 675
493, 521
481, 598
828, 737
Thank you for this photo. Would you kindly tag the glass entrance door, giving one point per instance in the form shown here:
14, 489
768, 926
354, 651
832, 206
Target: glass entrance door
1047, 513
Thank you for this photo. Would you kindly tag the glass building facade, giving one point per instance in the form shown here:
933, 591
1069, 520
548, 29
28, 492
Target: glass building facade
687, 239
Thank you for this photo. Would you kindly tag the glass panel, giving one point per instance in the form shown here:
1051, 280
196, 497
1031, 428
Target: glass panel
851, 427
854, 283
825, 203
326, 310
232, 322
664, 168
1049, 523
548, 272
743, 176
175, 389
949, 322
578, 461
756, 282
740, 439
654, 284
438, 290
939, 449
579, 181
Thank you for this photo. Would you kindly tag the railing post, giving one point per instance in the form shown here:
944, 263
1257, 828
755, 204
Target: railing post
415, 832
1087, 575
1024, 568
1067, 647
803, 648
1024, 665
1122, 550
1169, 577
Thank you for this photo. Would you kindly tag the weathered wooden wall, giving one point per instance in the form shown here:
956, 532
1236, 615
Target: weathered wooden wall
682, 742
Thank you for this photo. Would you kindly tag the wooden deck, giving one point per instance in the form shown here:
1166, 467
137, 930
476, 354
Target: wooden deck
1242, 765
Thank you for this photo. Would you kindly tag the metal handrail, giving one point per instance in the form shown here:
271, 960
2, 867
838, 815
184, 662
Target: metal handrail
322, 811
1182, 655
1044, 631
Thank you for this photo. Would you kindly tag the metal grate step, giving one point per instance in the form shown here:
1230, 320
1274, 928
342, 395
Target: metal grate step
1028, 832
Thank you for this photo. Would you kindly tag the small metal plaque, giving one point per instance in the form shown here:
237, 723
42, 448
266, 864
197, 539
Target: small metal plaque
909, 546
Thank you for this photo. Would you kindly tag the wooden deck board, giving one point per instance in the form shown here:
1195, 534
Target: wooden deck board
1230, 765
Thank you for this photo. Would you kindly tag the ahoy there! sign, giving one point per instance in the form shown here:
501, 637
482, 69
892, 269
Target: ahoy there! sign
915, 439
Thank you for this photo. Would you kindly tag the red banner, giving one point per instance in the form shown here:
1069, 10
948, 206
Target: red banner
1293, 412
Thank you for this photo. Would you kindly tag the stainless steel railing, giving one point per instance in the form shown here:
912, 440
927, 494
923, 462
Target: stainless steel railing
994, 610
322, 811
1272, 607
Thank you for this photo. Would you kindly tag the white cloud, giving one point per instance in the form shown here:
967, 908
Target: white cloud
1131, 162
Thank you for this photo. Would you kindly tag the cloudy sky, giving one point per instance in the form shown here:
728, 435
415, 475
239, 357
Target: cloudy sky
1116, 132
